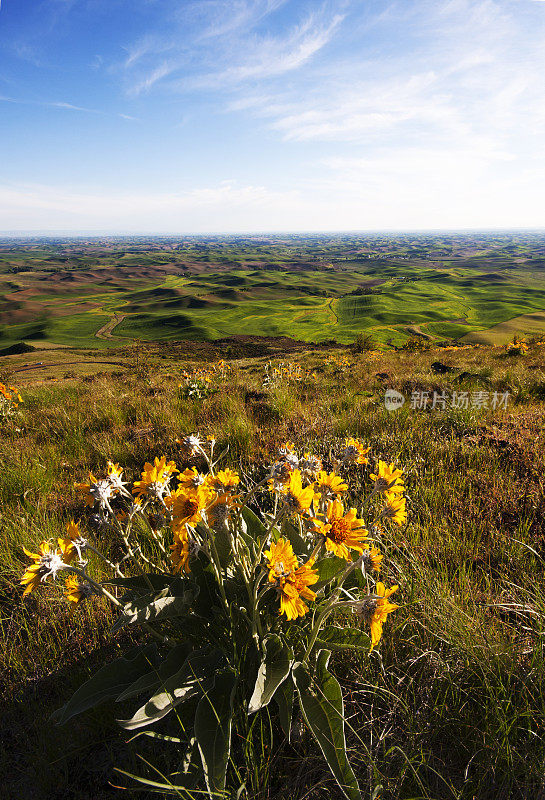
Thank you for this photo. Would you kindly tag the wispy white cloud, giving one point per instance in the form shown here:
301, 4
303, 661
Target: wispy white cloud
149, 80
226, 17
398, 114
62, 106
240, 51
474, 77
71, 107
266, 57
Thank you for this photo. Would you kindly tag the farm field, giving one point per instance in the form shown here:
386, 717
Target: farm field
93, 293
458, 704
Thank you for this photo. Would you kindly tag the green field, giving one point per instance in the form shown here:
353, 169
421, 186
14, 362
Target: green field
314, 290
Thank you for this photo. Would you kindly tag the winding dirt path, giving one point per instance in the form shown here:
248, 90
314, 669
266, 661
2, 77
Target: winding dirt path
106, 331
330, 304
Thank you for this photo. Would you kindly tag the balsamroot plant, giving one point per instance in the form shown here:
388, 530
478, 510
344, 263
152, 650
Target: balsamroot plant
244, 590
9, 401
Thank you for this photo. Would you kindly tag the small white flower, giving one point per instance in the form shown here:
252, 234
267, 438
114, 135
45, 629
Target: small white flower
292, 460
51, 563
102, 491
81, 545
191, 443
157, 489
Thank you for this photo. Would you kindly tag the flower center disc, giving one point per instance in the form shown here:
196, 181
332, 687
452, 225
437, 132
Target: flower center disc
339, 531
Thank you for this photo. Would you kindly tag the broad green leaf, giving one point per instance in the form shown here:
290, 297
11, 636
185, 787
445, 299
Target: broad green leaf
143, 582
246, 537
254, 526
108, 682
343, 638
192, 679
156, 677
221, 540
150, 585
208, 597
284, 700
156, 611
213, 722
291, 532
323, 710
154, 735
328, 568
272, 671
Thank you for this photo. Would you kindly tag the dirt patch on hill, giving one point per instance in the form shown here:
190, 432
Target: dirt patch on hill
241, 346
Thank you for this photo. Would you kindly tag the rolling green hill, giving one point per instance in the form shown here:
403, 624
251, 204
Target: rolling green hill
313, 289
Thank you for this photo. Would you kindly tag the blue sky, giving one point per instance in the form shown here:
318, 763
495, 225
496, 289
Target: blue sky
256, 115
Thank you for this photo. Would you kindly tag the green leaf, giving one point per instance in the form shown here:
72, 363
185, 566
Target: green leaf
254, 526
291, 532
221, 540
343, 638
149, 585
108, 682
323, 711
155, 786
213, 723
192, 679
143, 582
156, 611
209, 596
328, 568
272, 671
284, 700
156, 677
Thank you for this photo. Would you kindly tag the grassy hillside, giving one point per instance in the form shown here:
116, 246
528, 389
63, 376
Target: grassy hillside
459, 709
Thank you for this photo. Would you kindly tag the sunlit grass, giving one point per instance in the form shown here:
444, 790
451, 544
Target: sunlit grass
462, 707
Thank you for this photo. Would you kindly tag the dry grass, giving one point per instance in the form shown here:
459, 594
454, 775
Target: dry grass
459, 709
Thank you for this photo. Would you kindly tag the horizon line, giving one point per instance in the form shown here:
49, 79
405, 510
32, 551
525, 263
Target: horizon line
96, 233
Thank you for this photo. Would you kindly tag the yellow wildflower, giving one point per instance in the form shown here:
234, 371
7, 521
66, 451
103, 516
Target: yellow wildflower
282, 560
295, 587
298, 499
226, 479
354, 452
155, 478
372, 556
292, 582
47, 562
330, 484
395, 508
75, 591
85, 490
73, 542
180, 551
114, 470
187, 506
388, 478
379, 610
191, 478
342, 532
